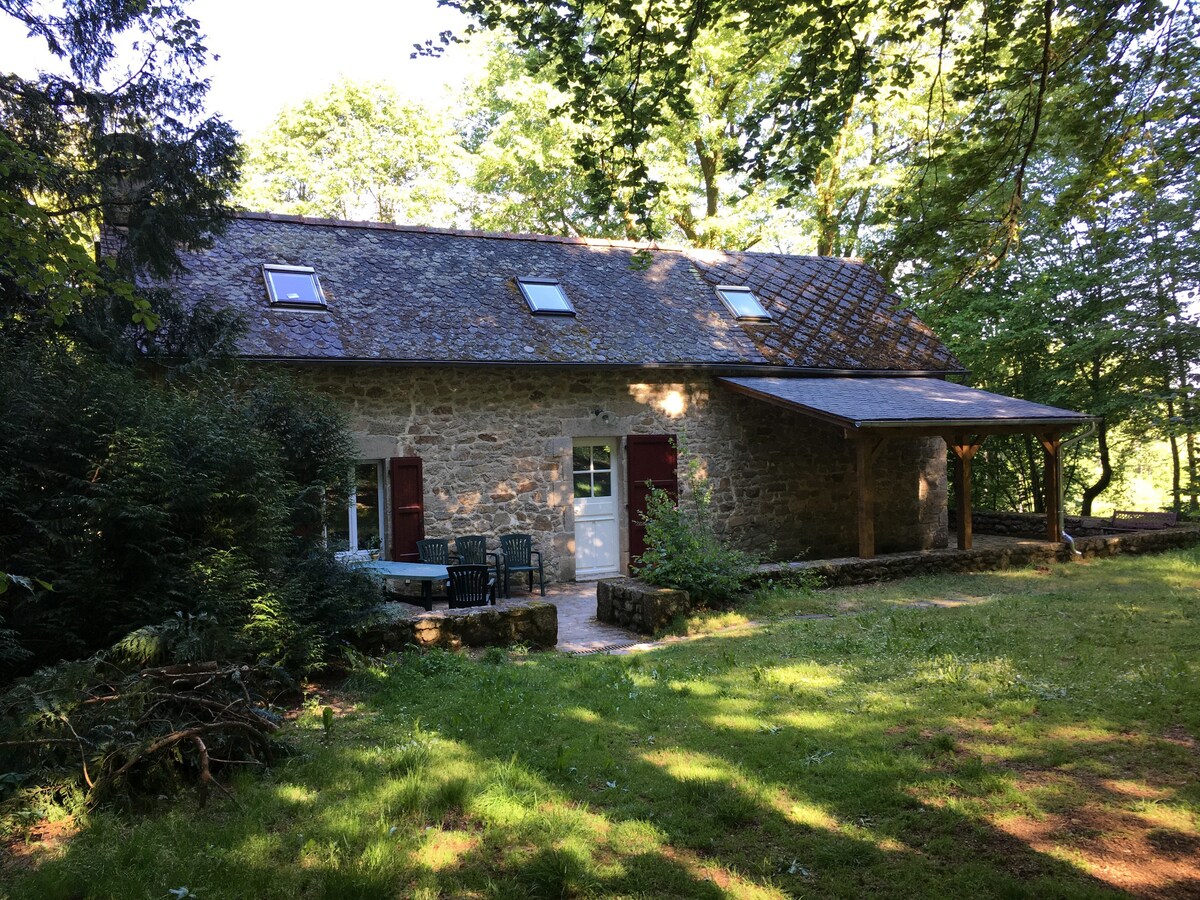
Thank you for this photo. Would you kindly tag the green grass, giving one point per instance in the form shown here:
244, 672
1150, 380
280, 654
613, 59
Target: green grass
1037, 740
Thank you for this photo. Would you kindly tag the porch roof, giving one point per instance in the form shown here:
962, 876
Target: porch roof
930, 404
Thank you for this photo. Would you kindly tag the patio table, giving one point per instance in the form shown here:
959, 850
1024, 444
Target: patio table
425, 573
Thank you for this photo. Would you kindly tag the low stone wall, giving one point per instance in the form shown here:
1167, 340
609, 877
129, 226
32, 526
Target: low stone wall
638, 606
842, 572
1031, 525
533, 624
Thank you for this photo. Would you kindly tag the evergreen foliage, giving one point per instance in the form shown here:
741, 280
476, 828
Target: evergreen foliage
134, 498
143, 477
120, 136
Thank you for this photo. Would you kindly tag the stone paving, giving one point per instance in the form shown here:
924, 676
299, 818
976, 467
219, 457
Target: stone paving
578, 629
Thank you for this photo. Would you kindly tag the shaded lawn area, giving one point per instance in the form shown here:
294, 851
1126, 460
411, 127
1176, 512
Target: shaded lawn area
1037, 740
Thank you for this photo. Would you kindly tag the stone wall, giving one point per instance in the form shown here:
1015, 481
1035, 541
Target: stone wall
496, 448
637, 606
843, 572
532, 624
1032, 525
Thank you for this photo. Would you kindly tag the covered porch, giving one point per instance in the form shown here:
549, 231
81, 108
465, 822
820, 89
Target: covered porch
871, 411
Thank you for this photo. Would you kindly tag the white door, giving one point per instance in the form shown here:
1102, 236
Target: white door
597, 550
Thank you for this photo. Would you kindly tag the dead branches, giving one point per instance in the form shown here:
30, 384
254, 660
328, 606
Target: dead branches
125, 732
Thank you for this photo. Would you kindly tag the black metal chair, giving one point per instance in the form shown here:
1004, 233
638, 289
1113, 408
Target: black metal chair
518, 557
472, 551
471, 586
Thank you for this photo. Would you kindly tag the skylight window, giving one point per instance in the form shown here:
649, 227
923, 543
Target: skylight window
293, 286
545, 297
742, 303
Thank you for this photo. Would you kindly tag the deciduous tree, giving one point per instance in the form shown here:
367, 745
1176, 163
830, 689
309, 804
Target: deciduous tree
358, 151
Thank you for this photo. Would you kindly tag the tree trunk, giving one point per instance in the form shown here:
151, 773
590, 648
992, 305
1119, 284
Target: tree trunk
1190, 441
1106, 473
827, 191
1173, 440
708, 170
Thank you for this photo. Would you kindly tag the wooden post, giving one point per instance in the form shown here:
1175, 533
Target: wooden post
964, 450
866, 446
1052, 477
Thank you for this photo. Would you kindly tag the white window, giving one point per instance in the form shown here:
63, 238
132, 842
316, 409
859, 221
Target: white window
592, 464
545, 297
742, 303
360, 532
293, 286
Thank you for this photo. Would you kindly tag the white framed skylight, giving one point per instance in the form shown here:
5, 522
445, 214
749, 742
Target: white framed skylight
293, 286
545, 297
742, 303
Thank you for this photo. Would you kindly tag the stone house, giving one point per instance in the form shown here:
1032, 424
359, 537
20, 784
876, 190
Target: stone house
517, 383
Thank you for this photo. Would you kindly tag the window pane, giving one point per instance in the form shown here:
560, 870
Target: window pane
603, 484
601, 457
367, 505
294, 287
744, 303
545, 297
582, 459
583, 485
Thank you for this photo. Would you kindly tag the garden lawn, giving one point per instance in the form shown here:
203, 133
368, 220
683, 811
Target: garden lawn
1035, 739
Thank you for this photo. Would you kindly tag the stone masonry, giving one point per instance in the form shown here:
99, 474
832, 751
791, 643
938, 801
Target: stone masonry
533, 624
496, 449
988, 558
638, 606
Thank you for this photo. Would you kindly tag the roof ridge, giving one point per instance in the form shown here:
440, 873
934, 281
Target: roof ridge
691, 252
460, 232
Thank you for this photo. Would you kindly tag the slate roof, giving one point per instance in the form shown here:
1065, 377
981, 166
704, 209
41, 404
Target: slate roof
891, 402
406, 294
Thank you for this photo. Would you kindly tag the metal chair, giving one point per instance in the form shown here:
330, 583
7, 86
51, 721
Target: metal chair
518, 552
471, 586
472, 551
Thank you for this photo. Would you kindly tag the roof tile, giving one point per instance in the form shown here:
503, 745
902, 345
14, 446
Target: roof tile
414, 294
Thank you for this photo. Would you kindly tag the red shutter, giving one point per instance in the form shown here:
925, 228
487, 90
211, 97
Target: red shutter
650, 458
408, 507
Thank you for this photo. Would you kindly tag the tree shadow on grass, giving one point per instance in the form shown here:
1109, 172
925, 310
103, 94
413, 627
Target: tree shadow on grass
830, 759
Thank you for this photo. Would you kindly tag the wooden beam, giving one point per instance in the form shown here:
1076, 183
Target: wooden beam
1051, 444
940, 429
964, 449
865, 449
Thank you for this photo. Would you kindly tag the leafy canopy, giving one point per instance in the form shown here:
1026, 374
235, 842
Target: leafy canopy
120, 135
358, 151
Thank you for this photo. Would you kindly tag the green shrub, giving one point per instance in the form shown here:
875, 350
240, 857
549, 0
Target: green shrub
130, 495
683, 549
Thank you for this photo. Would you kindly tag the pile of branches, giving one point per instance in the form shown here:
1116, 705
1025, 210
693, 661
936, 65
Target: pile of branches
115, 730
